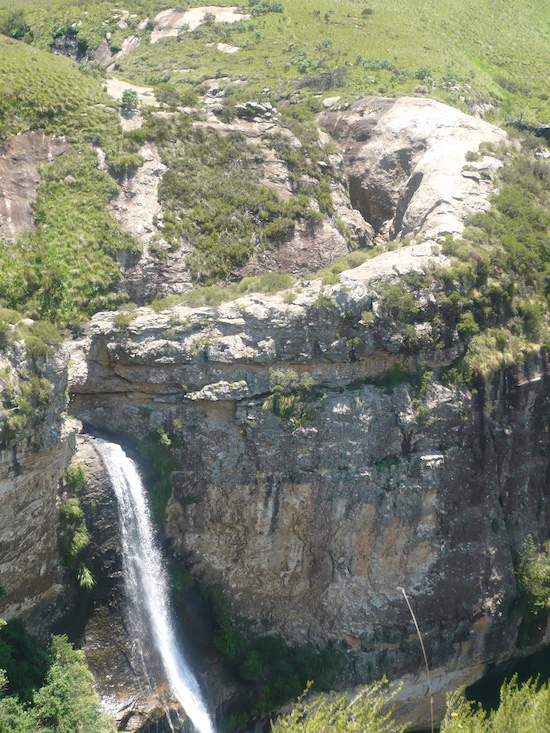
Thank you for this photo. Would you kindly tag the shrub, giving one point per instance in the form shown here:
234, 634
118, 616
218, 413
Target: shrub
533, 574
522, 709
159, 449
367, 712
290, 395
129, 100
75, 477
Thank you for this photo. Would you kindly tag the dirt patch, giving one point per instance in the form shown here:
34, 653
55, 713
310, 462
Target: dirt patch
169, 22
115, 88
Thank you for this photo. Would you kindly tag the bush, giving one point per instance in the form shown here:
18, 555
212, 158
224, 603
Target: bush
367, 712
159, 447
75, 477
129, 100
66, 702
533, 574
290, 395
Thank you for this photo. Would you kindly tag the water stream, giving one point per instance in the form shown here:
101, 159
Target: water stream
146, 582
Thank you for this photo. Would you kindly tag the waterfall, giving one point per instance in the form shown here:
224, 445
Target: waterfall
146, 582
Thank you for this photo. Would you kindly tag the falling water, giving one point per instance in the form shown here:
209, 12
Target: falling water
146, 583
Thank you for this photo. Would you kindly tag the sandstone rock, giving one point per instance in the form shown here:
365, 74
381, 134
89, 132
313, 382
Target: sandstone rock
31, 465
169, 22
20, 156
315, 524
405, 159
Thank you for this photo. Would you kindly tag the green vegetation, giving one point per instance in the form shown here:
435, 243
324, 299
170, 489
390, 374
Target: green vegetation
158, 448
129, 100
367, 712
75, 477
65, 269
448, 50
522, 709
533, 574
66, 700
23, 658
24, 400
42, 91
495, 293
213, 197
291, 396
275, 671
74, 538
211, 295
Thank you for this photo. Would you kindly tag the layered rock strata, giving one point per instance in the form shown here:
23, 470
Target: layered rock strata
313, 521
33, 457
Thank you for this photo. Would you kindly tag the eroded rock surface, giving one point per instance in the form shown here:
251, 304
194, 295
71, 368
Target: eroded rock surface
315, 521
33, 457
407, 167
20, 156
169, 22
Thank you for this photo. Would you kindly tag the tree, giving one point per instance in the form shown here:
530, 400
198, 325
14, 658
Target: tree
130, 100
367, 712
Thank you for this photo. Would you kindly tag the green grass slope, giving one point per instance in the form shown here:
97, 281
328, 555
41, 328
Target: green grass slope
495, 52
40, 90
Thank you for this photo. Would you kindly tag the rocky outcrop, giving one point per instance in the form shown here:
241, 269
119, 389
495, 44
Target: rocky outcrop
170, 22
36, 449
20, 156
408, 172
402, 171
313, 518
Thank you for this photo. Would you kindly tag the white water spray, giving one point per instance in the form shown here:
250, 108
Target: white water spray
146, 582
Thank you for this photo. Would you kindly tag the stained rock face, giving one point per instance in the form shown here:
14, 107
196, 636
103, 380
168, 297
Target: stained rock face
31, 464
314, 522
20, 156
408, 172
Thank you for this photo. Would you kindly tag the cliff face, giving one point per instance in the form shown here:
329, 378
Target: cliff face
314, 521
325, 461
36, 449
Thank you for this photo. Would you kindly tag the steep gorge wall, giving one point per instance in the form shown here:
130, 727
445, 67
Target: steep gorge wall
32, 460
313, 525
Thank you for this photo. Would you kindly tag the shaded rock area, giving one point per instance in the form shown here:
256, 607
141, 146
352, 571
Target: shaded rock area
20, 156
32, 460
406, 163
313, 524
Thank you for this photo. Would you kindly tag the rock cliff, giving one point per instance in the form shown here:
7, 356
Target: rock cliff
326, 462
314, 518
37, 444
325, 458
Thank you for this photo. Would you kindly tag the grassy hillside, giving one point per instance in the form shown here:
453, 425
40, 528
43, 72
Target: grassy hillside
495, 52
39, 90
467, 53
